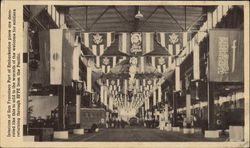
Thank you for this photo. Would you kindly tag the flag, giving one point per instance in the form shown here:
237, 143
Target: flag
159, 62
174, 42
226, 55
97, 42
68, 47
136, 43
108, 62
56, 48
56, 41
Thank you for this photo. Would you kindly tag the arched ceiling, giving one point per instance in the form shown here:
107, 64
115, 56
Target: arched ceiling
122, 18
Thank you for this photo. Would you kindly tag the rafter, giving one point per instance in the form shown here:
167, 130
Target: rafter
121, 15
99, 17
75, 21
172, 17
86, 18
195, 22
149, 17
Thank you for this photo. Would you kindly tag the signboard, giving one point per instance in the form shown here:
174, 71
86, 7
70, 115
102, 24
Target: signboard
226, 55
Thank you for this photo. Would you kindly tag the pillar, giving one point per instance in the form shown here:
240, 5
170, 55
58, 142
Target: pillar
89, 79
177, 78
111, 103
25, 77
210, 85
175, 97
166, 113
76, 77
142, 112
154, 98
105, 100
101, 93
188, 106
159, 93
78, 110
210, 106
61, 107
196, 61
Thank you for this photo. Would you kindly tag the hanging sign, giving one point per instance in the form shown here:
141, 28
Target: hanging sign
226, 56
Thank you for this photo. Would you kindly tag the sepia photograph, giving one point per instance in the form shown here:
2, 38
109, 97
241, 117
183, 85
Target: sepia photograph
144, 73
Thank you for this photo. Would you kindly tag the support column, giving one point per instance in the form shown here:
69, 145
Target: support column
166, 113
159, 93
89, 79
174, 108
142, 112
176, 93
78, 129
101, 94
210, 85
111, 103
78, 110
105, 97
25, 77
76, 78
188, 107
210, 106
177, 78
61, 110
154, 98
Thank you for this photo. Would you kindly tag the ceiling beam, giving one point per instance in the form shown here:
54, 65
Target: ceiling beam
172, 17
195, 22
75, 21
185, 15
149, 17
86, 17
99, 17
121, 15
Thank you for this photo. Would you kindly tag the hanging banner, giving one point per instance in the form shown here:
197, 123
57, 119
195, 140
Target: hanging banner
159, 62
97, 42
56, 48
68, 49
136, 43
108, 62
226, 56
56, 42
174, 42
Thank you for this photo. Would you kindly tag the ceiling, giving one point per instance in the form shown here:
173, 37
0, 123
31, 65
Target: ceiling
122, 18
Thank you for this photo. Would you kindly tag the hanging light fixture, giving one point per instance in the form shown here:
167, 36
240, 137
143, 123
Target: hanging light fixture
139, 15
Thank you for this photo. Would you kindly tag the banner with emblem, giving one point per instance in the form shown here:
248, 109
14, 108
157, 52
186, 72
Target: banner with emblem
226, 56
108, 62
174, 42
158, 62
97, 42
136, 43
56, 48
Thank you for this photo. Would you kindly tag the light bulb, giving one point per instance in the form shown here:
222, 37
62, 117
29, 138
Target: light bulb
139, 15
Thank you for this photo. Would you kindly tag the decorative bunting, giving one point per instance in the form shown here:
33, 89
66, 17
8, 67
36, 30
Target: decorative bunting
136, 43
97, 43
